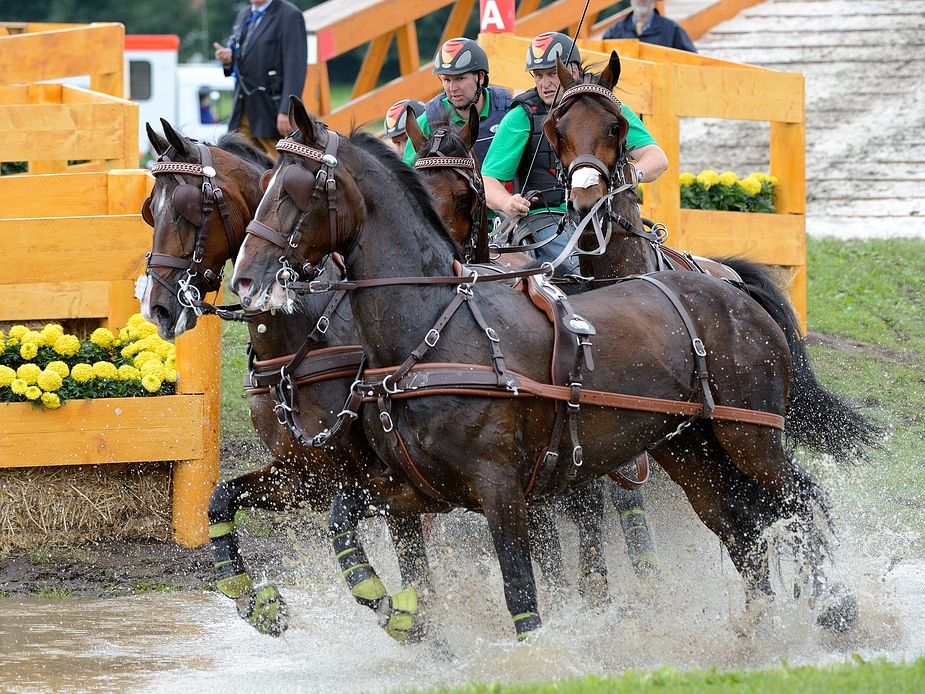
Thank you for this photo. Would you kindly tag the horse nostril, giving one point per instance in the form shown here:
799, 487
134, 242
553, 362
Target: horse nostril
245, 301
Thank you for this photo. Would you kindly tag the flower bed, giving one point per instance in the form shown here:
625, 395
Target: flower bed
709, 190
49, 367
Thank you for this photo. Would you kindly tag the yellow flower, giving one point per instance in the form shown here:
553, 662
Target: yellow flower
7, 376
33, 393
2, 338
67, 345
50, 333
728, 178
145, 329
143, 358
16, 333
19, 386
29, 373
750, 185
51, 401
152, 366
49, 380
151, 383
60, 368
101, 337
105, 369
772, 180
128, 373
164, 349
136, 320
82, 373
33, 337
170, 375
708, 178
29, 350
141, 345
687, 180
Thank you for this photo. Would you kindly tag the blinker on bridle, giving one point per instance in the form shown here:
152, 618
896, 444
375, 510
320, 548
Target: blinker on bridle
195, 204
303, 188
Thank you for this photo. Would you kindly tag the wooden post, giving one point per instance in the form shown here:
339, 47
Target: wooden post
664, 124
199, 366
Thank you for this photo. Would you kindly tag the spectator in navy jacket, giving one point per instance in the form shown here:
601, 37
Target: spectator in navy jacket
647, 25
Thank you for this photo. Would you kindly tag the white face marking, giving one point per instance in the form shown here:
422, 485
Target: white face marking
585, 177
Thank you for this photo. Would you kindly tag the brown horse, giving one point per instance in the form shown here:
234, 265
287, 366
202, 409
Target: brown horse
301, 365
692, 367
451, 174
587, 130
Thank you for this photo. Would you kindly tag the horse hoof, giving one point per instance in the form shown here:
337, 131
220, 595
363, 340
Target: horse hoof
647, 566
265, 610
402, 622
593, 590
839, 610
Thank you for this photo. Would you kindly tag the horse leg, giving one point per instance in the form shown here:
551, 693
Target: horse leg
585, 506
639, 547
407, 533
274, 487
397, 614
506, 512
802, 499
545, 545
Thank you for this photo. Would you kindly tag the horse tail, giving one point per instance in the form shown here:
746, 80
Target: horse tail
817, 418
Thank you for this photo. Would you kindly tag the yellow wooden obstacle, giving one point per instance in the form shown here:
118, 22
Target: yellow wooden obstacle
663, 85
74, 243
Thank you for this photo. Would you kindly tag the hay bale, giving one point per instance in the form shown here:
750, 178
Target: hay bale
61, 506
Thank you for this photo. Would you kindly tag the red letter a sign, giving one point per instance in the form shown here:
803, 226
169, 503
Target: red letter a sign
497, 16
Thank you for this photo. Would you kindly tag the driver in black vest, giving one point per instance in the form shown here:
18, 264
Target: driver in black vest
463, 69
522, 154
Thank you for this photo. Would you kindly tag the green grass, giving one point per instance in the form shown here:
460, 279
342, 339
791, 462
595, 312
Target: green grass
857, 677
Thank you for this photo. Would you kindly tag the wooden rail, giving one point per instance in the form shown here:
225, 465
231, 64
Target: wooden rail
84, 231
664, 85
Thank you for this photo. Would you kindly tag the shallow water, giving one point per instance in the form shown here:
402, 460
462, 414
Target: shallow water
193, 642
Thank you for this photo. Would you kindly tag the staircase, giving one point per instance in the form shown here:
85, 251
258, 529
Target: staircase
864, 65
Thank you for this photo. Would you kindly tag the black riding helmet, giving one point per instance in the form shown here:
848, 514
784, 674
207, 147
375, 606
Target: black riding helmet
396, 116
545, 48
459, 56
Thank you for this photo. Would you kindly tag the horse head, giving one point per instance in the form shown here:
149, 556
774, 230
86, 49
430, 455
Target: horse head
452, 175
202, 198
588, 132
308, 191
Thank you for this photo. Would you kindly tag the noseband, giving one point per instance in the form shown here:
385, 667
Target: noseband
304, 188
615, 177
468, 169
195, 204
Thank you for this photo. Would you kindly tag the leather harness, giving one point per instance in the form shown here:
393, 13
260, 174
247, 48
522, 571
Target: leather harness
571, 351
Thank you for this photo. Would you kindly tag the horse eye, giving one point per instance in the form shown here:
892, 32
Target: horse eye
615, 130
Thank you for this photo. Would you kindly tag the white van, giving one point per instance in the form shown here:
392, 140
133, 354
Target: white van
195, 98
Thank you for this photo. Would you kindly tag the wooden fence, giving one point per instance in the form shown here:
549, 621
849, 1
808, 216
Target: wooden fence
664, 85
74, 243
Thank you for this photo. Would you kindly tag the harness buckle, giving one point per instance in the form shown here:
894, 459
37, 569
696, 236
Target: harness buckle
433, 335
322, 324
386, 420
492, 335
385, 386
699, 348
577, 456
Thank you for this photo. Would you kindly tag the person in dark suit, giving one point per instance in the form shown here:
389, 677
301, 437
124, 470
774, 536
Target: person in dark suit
267, 54
647, 25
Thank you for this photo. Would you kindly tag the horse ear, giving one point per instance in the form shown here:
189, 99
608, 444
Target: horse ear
176, 139
566, 79
300, 120
611, 74
470, 131
158, 143
413, 130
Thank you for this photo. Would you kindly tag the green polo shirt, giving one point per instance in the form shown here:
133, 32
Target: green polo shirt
455, 119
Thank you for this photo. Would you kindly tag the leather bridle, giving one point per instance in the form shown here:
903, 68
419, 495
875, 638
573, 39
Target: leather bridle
468, 169
195, 204
304, 188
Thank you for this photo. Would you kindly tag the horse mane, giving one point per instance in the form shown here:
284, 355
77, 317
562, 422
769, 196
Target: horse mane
407, 179
451, 144
235, 143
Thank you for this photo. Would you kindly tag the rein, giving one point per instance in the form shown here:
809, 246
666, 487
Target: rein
195, 204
